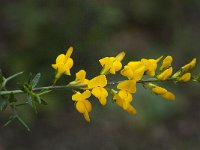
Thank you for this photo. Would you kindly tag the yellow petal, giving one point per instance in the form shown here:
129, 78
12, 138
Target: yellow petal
80, 76
138, 74
115, 67
118, 100
101, 94
127, 72
81, 96
61, 68
54, 66
130, 109
60, 59
169, 96
80, 107
86, 116
150, 65
166, 62
126, 96
99, 81
159, 90
86, 94
165, 74
88, 105
125, 105
135, 65
68, 53
185, 78
159, 58
120, 56
104, 61
188, 67
127, 85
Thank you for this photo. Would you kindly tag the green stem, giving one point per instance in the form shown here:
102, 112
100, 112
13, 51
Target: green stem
44, 88
9, 78
73, 86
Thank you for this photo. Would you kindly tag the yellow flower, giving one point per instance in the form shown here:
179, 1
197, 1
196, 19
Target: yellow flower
159, 90
101, 94
151, 65
169, 96
188, 67
162, 92
80, 78
185, 78
165, 74
82, 104
97, 85
63, 64
111, 64
185, 69
166, 62
99, 81
123, 99
134, 70
127, 85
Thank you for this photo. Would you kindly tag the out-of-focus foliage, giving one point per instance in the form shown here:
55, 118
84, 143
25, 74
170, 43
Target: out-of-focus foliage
33, 32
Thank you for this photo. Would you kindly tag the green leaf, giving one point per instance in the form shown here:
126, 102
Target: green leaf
11, 118
35, 80
12, 98
37, 98
4, 105
30, 78
1, 79
43, 102
31, 103
43, 92
22, 122
29, 100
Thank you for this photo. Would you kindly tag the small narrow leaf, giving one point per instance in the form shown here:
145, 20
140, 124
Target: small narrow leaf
12, 98
4, 105
29, 100
43, 102
11, 118
35, 80
22, 122
31, 103
43, 92
37, 98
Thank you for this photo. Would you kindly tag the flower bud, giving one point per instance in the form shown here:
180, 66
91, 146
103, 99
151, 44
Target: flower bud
165, 74
185, 78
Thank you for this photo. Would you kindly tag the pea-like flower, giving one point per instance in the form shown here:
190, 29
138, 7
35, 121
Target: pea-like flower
134, 70
185, 77
166, 63
185, 69
63, 64
162, 92
127, 85
80, 78
97, 85
112, 64
82, 104
151, 65
123, 99
165, 74
188, 67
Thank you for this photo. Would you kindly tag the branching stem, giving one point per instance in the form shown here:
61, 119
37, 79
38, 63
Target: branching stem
70, 87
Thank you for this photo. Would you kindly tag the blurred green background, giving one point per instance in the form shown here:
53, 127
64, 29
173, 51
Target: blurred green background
33, 33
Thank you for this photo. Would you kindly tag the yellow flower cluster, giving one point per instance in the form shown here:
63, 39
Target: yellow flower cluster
184, 74
134, 72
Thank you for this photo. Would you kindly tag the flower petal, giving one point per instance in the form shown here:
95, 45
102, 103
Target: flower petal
127, 85
99, 81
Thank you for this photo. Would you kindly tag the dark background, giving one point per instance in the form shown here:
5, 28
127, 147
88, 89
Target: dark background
33, 33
